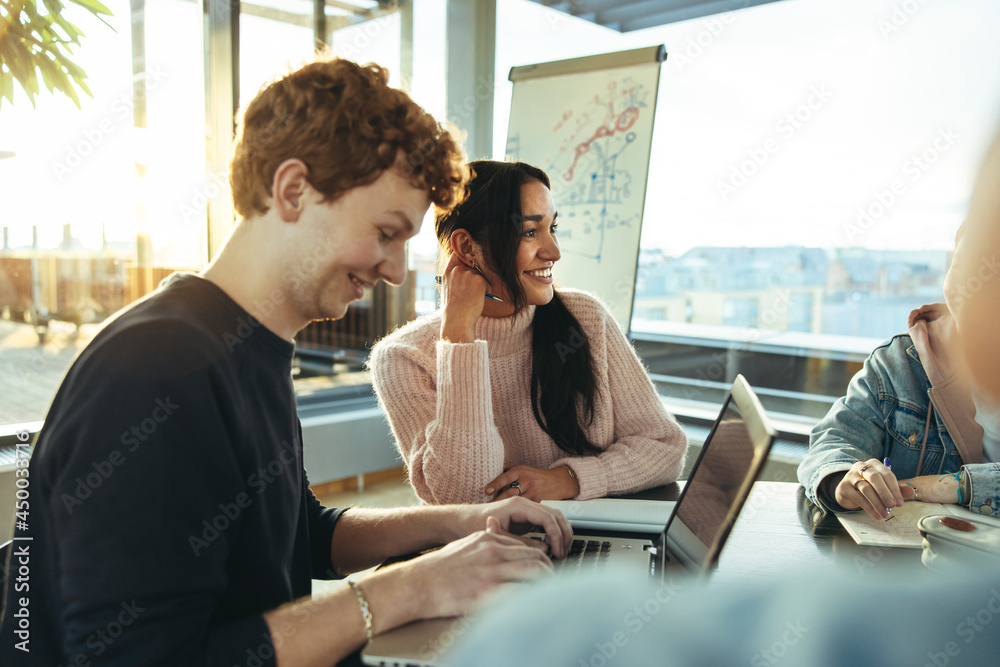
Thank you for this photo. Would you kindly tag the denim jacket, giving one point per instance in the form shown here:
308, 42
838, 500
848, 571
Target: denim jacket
907, 393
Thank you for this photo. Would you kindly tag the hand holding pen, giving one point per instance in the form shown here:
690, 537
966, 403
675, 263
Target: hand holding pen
489, 297
463, 296
871, 485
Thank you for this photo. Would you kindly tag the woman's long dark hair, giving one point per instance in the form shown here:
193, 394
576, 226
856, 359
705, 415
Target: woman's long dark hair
562, 367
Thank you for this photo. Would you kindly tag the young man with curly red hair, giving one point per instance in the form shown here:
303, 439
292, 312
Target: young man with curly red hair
171, 518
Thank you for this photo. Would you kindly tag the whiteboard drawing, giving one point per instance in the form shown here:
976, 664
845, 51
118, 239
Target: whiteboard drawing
591, 132
594, 183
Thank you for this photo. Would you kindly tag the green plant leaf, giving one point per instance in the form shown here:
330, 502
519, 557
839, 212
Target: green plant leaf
55, 77
18, 59
37, 46
93, 6
6, 87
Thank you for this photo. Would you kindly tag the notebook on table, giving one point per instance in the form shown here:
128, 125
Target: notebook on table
731, 458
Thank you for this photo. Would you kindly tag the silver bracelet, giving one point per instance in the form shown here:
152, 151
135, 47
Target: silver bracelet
365, 610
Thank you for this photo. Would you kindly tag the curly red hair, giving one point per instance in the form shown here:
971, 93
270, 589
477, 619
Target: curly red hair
348, 126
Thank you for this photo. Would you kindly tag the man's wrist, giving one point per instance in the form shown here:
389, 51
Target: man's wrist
456, 521
396, 595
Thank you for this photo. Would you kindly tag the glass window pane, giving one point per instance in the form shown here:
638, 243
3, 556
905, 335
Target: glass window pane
811, 163
100, 202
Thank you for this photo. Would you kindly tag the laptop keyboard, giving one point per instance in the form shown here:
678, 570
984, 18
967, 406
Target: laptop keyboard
584, 556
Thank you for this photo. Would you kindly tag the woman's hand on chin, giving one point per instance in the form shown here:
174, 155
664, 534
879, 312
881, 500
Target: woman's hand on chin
534, 484
463, 293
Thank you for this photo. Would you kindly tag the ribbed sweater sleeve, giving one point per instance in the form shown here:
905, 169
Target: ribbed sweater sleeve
441, 413
647, 446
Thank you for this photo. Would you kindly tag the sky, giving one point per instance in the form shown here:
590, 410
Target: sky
869, 87
814, 122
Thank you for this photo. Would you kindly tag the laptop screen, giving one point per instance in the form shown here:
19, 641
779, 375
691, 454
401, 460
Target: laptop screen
720, 480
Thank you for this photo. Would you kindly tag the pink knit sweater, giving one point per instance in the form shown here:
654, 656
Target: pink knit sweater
461, 413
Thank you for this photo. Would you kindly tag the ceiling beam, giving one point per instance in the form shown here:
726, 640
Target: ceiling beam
628, 15
630, 11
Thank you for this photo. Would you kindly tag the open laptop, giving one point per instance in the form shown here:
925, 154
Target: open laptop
731, 458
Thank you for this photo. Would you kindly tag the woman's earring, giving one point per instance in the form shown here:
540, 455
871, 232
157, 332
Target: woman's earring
474, 265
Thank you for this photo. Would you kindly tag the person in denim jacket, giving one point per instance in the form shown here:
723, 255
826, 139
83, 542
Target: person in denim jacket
912, 403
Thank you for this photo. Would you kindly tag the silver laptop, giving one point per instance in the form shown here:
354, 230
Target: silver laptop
730, 461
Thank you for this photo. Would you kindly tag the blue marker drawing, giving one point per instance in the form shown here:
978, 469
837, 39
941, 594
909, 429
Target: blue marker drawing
591, 185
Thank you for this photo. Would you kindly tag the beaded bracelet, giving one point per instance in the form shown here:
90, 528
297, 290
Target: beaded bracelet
964, 488
959, 476
365, 611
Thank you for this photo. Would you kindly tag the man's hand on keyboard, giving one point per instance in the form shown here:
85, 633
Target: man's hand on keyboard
508, 513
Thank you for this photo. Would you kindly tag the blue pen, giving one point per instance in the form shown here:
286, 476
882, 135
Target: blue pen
888, 464
491, 297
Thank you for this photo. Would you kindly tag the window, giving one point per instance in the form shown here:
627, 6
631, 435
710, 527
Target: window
812, 160
101, 202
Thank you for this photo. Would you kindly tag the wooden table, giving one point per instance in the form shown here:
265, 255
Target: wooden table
779, 531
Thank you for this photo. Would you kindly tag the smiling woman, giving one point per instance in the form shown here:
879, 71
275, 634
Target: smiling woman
537, 393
